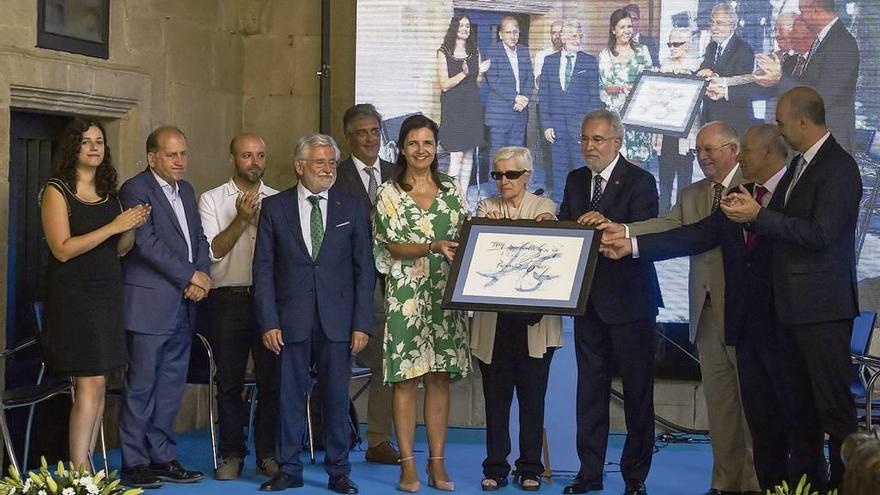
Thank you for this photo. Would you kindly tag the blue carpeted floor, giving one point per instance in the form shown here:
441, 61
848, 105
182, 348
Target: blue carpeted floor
678, 469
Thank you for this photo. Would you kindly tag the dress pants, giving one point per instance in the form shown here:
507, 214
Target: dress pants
566, 157
234, 336
513, 368
673, 165
511, 133
333, 364
733, 468
631, 346
778, 402
824, 348
379, 417
154, 383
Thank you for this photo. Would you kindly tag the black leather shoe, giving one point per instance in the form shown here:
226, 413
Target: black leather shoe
282, 481
140, 477
580, 486
635, 488
173, 472
342, 484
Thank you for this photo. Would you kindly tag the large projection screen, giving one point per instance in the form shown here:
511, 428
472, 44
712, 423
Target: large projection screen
397, 71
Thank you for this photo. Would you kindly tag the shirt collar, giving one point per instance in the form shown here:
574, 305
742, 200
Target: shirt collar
564, 53
726, 41
304, 193
727, 180
772, 182
232, 188
361, 165
164, 184
811, 153
510, 51
824, 31
606, 173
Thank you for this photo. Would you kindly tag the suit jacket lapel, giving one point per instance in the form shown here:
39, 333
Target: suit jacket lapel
704, 201
291, 211
163, 202
334, 212
387, 169
615, 183
353, 176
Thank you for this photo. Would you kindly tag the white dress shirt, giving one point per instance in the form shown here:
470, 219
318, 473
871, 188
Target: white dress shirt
514, 63
364, 175
770, 186
605, 174
808, 158
173, 195
563, 59
217, 209
305, 212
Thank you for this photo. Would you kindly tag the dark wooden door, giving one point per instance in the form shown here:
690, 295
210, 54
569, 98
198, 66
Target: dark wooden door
32, 140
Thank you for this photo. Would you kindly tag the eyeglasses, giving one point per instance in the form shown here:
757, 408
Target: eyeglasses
597, 140
709, 151
676, 44
509, 175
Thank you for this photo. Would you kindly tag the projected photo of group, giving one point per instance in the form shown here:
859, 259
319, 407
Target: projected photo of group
497, 73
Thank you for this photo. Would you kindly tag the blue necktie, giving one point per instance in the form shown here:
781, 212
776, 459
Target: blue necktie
597, 193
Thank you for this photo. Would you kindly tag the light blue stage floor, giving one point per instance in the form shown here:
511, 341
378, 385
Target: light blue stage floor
678, 469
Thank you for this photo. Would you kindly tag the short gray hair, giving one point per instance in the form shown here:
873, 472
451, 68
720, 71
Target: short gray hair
728, 9
726, 131
520, 155
608, 116
309, 141
572, 26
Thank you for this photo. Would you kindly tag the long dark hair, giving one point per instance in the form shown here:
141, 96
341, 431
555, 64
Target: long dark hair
617, 16
412, 123
64, 160
452, 35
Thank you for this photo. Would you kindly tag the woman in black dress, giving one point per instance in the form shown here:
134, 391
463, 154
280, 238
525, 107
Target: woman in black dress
87, 232
460, 70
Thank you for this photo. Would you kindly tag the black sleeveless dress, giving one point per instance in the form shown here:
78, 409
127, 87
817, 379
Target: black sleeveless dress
461, 113
83, 333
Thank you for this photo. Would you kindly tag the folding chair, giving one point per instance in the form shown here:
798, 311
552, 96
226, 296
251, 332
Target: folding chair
865, 366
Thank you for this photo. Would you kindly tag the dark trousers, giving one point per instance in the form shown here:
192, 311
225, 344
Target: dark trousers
513, 368
824, 349
673, 165
234, 336
511, 133
566, 157
154, 383
333, 364
777, 401
631, 346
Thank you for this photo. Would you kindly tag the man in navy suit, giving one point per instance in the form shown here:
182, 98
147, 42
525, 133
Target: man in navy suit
773, 383
618, 326
360, 175
313, 292
814, 263
568, 89
166, 273
510, 84
727, 55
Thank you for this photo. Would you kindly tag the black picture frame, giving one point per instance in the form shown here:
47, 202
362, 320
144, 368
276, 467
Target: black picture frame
664, 103
509, 247
74, 26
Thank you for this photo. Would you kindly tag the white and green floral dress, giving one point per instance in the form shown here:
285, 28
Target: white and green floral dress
612, 72
420, 336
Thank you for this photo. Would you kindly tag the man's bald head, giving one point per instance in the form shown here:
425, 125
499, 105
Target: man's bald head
800, 115
247, 153
763, 153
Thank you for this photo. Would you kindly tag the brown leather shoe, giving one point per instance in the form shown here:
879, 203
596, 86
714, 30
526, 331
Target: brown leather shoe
384, 453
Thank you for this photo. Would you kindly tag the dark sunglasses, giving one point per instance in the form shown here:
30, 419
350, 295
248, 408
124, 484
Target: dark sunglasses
675, 44
510, 174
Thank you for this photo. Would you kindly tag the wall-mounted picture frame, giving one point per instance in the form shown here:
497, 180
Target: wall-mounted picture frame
523, 266
74, 26
664, 103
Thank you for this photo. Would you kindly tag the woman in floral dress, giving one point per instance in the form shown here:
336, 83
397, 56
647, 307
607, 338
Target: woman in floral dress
620, 64
418, 216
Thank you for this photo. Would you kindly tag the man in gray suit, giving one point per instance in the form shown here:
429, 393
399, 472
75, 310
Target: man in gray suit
360, 175
717, 148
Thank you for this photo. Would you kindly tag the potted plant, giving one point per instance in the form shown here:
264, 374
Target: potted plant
63, 482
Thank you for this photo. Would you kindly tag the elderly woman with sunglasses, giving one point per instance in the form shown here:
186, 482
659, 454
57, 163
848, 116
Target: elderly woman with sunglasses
514, 349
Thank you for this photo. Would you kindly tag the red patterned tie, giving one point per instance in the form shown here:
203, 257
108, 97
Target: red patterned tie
751, 237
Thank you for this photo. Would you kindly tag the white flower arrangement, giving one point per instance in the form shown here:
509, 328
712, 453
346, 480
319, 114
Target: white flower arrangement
63, 482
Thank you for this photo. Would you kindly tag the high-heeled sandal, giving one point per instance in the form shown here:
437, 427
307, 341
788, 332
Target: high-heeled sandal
412, 487
442, 485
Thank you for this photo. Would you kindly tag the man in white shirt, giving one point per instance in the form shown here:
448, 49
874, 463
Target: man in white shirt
229, 215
